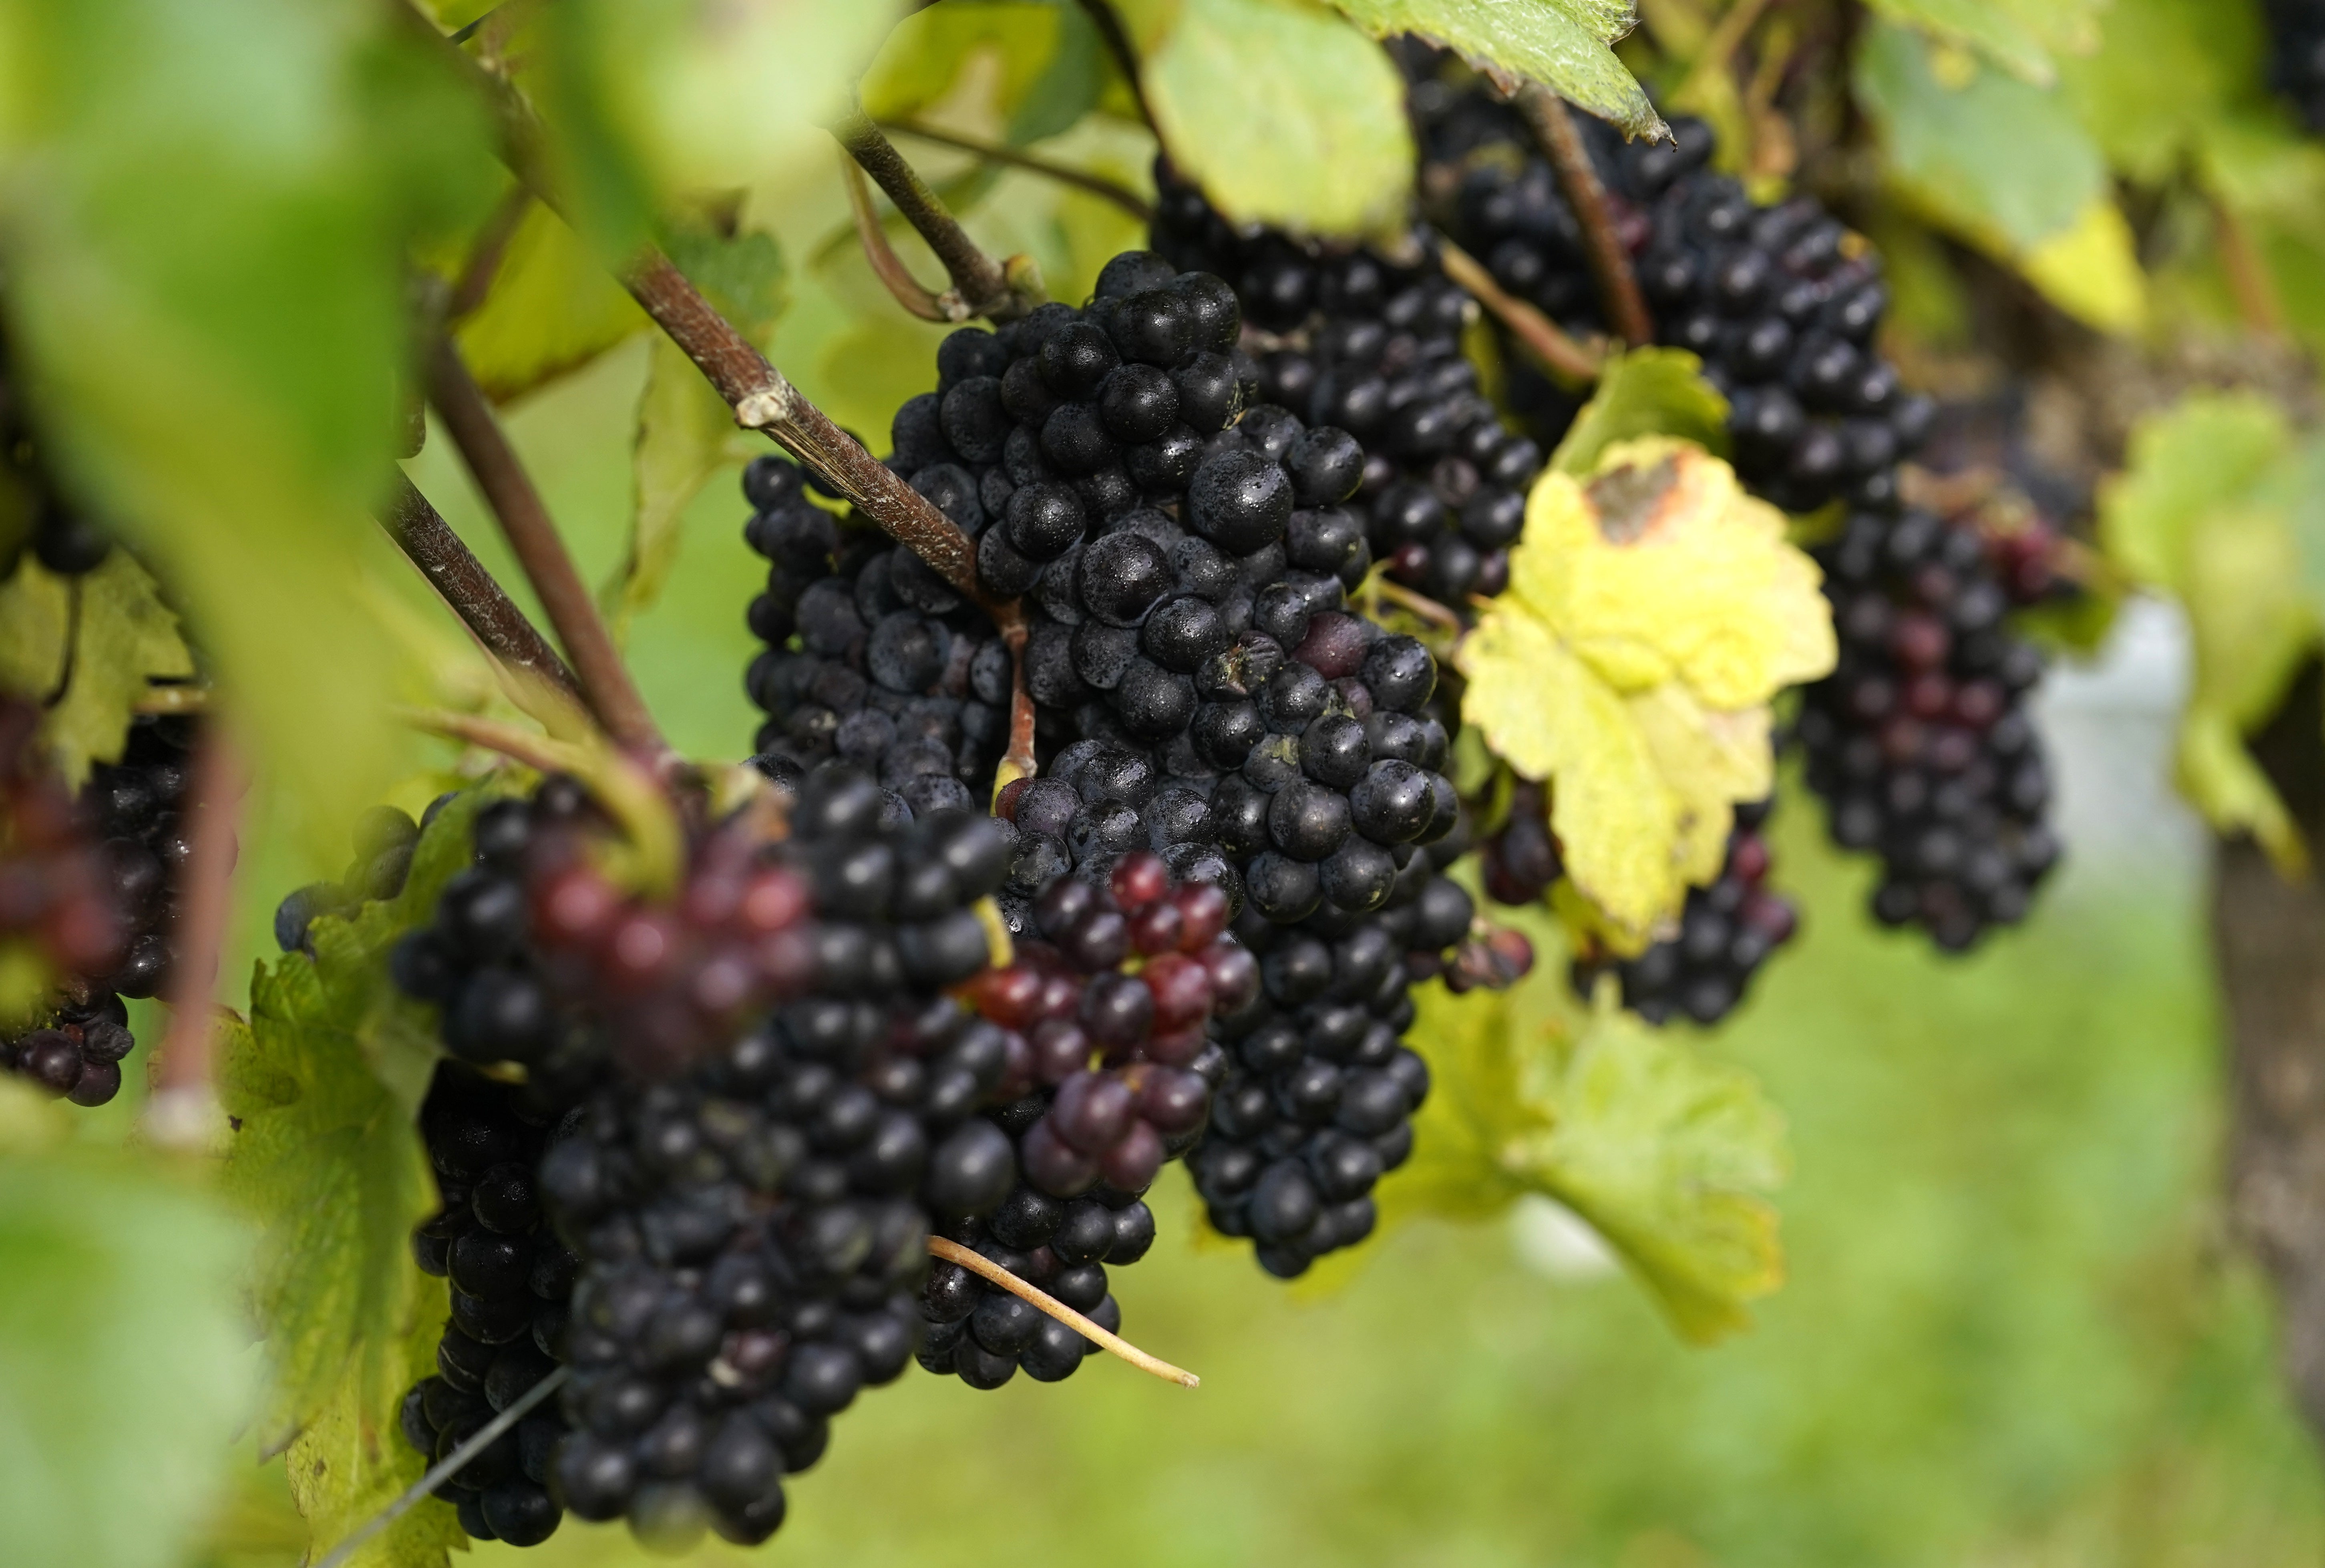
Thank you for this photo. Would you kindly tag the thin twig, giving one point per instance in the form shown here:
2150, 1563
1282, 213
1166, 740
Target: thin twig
1117, 39
764, 400
985, 287
525, 519
1720, 45
1017, 762
885, 264
619, 783
455, 572
449, 1466
1541, 336
484, 257
762, 397
985, 1268
1097, 185
1419, 603
2250, 282
1553, 127
184, 1111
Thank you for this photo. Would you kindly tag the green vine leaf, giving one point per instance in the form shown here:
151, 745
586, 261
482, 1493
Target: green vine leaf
2022, 36
1668, 1154
1643, 393
1653, 611
123, 1363
1563, 44
2006, 166
1251, 98
322, 1084
122, 638
1036, 68
2217, 509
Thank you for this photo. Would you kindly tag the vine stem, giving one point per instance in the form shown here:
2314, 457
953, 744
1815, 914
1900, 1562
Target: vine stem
1547, 341
1421, 604
1097, 185
885, 264
2249, 284
184, 1111
453, 570
525, 520
765, 400
1552, 123
1117, 39
986, 1268
984, 286
445, 1469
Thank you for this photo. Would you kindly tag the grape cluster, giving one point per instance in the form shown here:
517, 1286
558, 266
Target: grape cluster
104, 916
893, 671
1316, 1101
1117, 1075
2296, 57
1728, 929
512, 1285
1780, 303
1919, 741
1359, 343
772, 1095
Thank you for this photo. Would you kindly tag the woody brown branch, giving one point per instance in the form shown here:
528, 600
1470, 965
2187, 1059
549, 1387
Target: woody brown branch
1552, 123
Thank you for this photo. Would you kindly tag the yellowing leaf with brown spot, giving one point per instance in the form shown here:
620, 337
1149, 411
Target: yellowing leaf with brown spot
1653, 610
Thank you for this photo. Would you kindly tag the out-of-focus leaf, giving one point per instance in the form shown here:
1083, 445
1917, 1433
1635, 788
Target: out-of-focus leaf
1653, 613
553, 308
207, 207
1642, 393
2006, 166
2024, 37
121, 635
323, 1083
2164, 71
124, 1371
1666, 1153
2206, 511
351, 1460
1252, 96
1563, 44
657, 99
1037, 67
685, 430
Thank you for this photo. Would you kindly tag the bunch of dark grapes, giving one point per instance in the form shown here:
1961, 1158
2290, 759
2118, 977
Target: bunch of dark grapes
2296, 57
893, 671
1319, 1091
772, 1093
1780, 303
1520, 858
108, 922
1351, 340
1728, 929
512, 1285
1118, 1078
1919, 741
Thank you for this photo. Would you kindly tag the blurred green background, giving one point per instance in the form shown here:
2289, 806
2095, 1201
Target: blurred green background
2013, 1333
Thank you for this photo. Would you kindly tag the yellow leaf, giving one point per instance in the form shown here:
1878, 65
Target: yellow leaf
2090, 269
1653, 611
